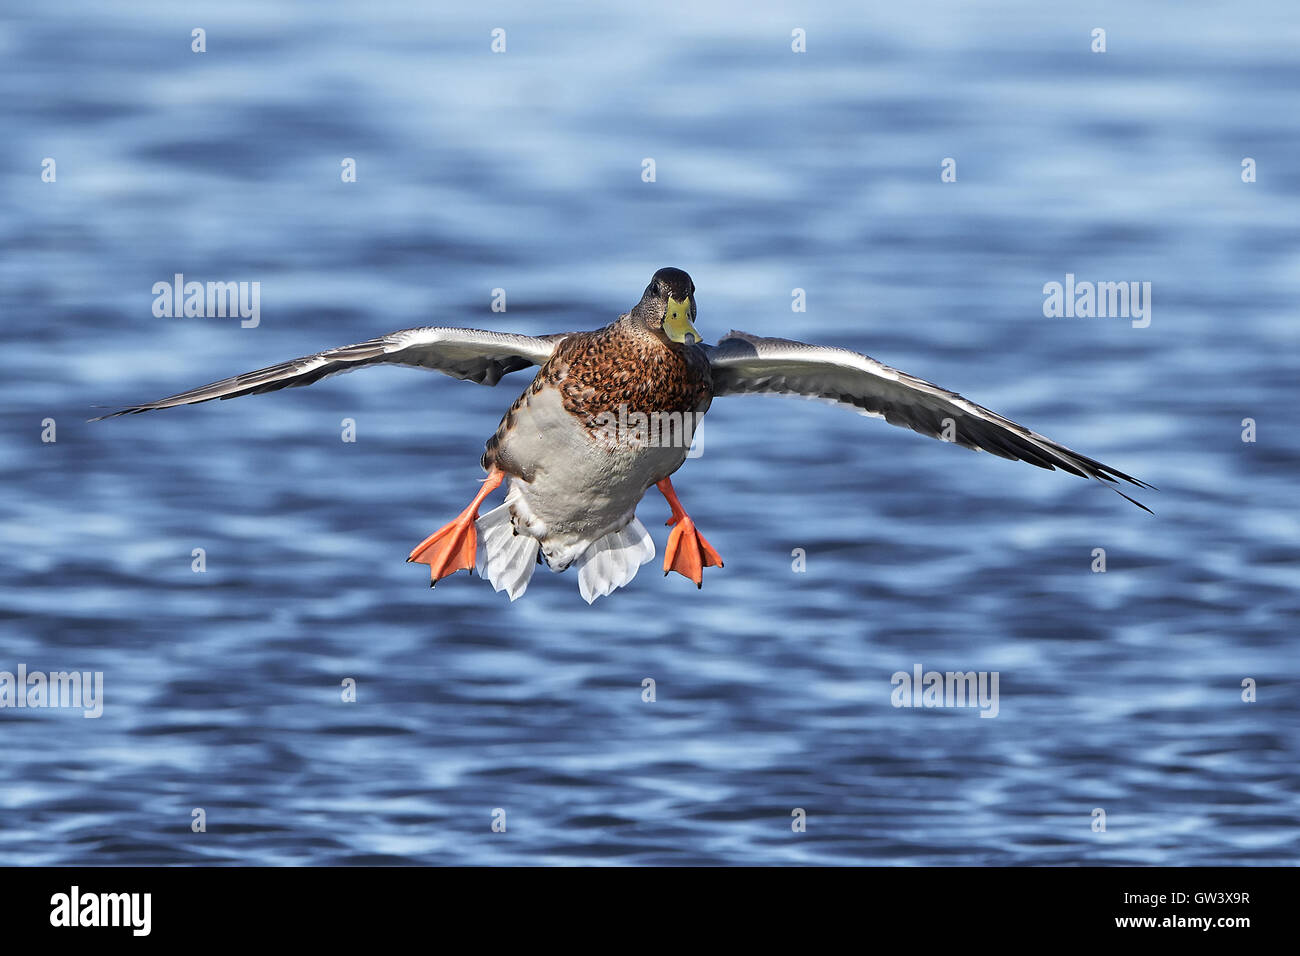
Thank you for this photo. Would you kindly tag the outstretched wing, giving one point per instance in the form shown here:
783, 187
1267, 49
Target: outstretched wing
744, 364
482, 357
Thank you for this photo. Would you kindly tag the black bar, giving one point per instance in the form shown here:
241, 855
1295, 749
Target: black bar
218, 904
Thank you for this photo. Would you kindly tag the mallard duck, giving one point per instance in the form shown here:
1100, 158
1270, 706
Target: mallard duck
612, 412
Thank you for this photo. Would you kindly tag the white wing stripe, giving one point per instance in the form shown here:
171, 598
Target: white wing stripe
745, 364
479, 356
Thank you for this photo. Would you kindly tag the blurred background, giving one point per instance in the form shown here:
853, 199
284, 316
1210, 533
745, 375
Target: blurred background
774, 171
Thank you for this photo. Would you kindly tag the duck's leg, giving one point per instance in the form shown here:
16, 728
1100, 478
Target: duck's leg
687, 553
451, 548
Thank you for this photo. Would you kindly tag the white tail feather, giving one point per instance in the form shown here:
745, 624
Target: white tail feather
612, 561
505, 559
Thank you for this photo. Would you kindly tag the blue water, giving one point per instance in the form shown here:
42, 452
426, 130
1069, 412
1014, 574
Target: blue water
774, 171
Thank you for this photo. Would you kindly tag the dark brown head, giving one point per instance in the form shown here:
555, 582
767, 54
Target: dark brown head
667, 308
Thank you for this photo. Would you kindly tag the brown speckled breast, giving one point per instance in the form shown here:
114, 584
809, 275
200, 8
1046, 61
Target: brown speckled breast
621, 364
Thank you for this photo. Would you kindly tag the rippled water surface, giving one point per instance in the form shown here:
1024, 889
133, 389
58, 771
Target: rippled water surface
774, 171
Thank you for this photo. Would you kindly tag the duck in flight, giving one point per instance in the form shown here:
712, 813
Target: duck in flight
612, 412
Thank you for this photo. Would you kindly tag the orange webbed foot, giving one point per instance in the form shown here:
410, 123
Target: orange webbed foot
449, 549
452, 547
688, 552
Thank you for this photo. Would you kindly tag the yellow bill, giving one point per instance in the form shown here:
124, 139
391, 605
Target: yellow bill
677, 321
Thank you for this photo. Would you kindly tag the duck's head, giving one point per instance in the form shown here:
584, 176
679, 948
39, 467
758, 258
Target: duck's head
667, 308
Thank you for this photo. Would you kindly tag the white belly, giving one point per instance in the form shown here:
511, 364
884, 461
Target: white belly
580, 487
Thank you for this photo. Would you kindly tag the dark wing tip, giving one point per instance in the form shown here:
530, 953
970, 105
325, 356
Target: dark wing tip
1111, 474
130, 410
1134, 500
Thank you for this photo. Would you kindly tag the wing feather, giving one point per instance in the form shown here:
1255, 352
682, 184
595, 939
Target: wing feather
471, 354
749, 364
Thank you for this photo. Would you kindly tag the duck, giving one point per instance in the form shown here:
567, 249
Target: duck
614, 411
